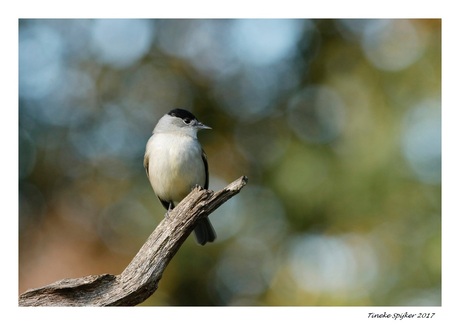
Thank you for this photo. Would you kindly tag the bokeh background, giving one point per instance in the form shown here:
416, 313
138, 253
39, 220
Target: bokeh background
337, 124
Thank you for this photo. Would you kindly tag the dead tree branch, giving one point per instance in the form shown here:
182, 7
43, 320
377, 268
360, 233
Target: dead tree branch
141, 277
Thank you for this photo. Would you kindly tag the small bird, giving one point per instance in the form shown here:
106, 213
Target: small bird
175, 163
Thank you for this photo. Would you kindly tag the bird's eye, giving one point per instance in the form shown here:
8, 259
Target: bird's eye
187, 120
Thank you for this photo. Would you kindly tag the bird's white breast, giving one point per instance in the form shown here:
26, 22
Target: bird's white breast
175, 165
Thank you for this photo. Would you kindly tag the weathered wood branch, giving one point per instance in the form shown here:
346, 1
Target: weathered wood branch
141, 277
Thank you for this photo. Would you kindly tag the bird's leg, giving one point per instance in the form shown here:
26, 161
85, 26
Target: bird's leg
197, 186
170, 208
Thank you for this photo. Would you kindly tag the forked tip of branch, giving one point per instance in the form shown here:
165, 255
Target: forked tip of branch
238, 184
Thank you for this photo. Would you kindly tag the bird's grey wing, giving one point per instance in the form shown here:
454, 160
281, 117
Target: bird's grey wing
204, 231
146, 164
206, 169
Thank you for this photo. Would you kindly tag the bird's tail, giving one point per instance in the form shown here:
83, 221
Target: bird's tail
204, 232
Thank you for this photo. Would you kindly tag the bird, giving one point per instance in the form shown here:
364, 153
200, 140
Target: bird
175, 163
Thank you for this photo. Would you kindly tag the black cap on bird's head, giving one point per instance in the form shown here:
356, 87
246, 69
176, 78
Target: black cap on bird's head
188, 118
182, 113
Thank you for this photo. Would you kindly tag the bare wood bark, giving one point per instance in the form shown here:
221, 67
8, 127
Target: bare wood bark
141, 277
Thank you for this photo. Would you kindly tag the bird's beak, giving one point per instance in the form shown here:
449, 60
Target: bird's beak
201, 126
